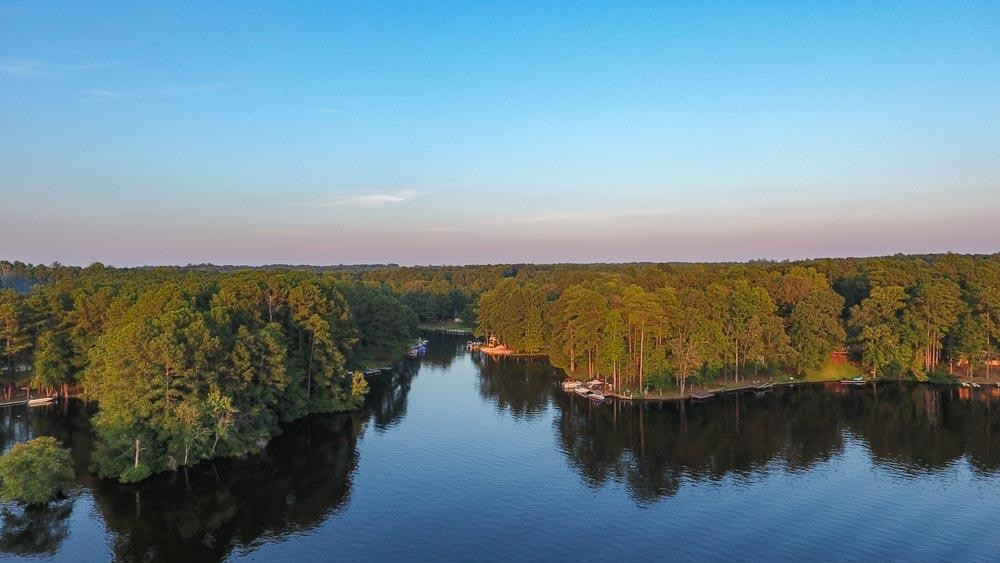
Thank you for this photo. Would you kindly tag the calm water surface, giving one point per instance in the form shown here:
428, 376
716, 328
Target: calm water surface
466, 458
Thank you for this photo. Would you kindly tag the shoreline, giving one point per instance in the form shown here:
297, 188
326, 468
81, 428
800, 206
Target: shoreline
713, 392
976, 381
710, 393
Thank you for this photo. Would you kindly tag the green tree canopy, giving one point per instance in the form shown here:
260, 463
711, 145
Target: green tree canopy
35, 471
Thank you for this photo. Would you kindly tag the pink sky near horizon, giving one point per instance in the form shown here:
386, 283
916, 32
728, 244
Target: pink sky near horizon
656, 238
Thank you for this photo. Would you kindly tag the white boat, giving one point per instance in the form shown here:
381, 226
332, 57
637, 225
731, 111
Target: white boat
853, 381
571, 384
582, 391
597, 396
40, 401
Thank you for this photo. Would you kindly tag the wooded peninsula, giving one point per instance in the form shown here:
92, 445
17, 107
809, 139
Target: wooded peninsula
190, 363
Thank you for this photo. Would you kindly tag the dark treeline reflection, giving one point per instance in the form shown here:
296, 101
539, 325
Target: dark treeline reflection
302, 478
443, 350
387, 396
519, 385
652, 449
213, 509
35, 530
203, 513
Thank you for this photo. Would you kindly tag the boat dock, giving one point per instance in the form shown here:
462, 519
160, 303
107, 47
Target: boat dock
419, 350
33, 402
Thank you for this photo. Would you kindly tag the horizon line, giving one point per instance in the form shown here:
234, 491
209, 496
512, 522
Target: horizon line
373, 265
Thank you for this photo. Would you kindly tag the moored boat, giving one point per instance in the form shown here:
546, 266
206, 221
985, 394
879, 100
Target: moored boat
40, 401
583, 391
571, 384
853, 381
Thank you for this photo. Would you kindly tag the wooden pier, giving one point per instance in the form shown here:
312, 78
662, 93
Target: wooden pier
15, 402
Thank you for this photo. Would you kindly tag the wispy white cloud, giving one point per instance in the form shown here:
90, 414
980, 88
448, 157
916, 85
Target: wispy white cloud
172, 91
98, 95
591, 215
186, 89
329, 110
364, 200
30, 67
20, 67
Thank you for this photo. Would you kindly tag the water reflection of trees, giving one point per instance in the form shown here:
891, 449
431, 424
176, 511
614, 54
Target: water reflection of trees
519, 385
923, 428
207, 511
14, 426
652, 449
35, 530
62, 420
387, 395
443, 349
210, 510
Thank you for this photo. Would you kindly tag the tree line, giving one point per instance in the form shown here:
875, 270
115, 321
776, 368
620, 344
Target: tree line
644, 326
193, 362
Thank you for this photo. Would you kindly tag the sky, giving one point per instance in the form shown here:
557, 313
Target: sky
428, 132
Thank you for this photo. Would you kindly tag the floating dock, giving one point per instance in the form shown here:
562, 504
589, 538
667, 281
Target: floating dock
374, 371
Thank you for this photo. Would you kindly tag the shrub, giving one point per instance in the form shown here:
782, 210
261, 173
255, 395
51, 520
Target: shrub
35, 471
135, 474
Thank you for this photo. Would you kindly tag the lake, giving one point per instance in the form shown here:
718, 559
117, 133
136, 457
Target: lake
461, 457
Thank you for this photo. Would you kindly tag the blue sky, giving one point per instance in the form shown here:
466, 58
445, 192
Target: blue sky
475, 132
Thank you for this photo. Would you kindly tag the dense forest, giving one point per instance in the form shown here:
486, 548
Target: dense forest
645, 326
193, 362
187, 365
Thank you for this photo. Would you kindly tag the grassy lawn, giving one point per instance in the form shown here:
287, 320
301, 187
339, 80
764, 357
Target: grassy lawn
834, 371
